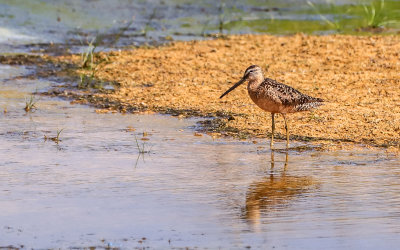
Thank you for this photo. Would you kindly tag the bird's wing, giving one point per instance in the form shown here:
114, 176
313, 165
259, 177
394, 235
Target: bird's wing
284, 94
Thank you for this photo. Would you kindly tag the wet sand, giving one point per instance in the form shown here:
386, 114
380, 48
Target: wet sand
356, 75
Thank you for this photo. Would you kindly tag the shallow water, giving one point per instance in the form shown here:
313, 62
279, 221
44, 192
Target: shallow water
69, 26
94, 188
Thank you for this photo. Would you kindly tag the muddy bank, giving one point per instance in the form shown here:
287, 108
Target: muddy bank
356, 75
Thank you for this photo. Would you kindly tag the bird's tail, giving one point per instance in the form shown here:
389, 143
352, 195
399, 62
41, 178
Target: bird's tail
311, 104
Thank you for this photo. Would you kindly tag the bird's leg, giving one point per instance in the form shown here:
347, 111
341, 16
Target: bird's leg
287, 131
273, 131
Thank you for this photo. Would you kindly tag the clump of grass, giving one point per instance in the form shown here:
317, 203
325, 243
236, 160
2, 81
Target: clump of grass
56, 138
84, 82
89, 62
373, 15
87, 56
30, 104
89, 81
376, 15
90, 59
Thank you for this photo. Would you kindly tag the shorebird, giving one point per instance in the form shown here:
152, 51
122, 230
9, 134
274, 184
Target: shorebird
275, 97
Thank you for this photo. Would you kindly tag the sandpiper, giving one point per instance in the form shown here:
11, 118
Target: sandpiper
275, 97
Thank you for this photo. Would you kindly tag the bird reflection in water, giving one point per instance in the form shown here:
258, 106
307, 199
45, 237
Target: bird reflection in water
273, 192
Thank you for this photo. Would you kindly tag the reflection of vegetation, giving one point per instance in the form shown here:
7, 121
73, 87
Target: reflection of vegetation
142, 149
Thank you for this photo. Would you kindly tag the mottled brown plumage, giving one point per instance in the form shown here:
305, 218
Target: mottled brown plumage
275, 97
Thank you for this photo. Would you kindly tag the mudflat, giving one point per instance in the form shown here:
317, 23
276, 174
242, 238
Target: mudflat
357, 76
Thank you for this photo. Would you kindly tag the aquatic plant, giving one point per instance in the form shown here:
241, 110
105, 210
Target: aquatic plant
56, 138
376, 15
30, 104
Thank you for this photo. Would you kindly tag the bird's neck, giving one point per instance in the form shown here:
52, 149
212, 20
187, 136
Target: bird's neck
254, 84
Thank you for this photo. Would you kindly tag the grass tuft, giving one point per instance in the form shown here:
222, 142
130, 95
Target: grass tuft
56, 138
89, 63
87, 56
30, 104
377, 15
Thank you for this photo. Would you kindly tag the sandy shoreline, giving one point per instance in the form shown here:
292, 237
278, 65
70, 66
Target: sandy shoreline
358, 76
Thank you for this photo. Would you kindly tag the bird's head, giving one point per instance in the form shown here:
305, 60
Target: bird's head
252, 73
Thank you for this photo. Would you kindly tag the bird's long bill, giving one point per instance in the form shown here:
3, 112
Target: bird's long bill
233, 87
